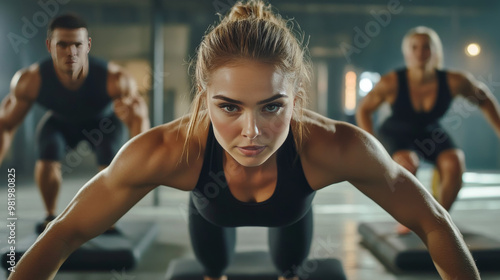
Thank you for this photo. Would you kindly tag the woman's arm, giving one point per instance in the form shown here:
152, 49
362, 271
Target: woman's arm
370, 169
478, 93
383, 91
96, 207
137, 169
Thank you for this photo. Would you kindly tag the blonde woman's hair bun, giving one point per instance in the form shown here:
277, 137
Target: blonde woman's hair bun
253, 9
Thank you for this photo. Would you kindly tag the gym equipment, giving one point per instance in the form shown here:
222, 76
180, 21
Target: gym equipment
105, 252
408, 253
257, 266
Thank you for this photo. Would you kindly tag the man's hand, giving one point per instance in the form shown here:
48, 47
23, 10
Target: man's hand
130, 108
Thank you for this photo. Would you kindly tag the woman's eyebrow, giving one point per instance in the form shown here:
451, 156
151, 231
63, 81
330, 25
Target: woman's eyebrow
272, 98
230, 100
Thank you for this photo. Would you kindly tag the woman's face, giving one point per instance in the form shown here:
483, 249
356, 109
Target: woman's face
250, 105
419, 52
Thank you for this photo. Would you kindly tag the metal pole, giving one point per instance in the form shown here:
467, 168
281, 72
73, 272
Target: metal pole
158, 46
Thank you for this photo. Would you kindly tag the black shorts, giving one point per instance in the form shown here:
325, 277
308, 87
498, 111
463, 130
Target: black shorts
428, 142
55, 137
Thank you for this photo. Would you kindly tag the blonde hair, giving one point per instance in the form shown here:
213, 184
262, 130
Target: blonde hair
251, 31
436, 46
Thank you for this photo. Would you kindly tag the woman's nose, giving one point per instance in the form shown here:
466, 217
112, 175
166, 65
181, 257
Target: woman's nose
251, 129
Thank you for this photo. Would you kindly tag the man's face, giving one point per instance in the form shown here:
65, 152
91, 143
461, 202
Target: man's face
69, 49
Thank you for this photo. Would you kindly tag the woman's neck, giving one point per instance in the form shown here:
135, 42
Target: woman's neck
231, 166
421, 74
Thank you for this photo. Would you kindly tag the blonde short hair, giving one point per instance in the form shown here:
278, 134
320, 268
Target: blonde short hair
436, 46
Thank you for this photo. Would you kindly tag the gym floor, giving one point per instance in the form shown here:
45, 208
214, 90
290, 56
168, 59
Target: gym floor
338, 210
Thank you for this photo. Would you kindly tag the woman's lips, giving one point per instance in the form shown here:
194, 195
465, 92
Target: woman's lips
251, 150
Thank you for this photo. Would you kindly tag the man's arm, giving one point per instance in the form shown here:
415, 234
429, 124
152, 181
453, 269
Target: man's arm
16, 105
478, 93
129, 106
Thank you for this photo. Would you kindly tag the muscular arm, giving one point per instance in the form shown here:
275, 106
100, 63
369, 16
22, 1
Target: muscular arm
338, 151
13, 109
478, 93
382, 92
373, 172
129, 106
142, 164
96, 207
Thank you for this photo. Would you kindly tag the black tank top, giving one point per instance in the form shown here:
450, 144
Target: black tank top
402, 109
90, 102
290, 201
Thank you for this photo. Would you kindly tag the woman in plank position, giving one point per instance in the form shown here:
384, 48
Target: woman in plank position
250, 155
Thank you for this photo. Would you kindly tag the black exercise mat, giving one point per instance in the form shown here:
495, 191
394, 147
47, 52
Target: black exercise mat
408, 253
105, 252
257, 266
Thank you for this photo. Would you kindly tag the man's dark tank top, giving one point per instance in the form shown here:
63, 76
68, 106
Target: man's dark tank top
90, 102
289, 203
402, 109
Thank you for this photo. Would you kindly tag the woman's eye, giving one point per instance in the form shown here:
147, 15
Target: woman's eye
228, 108
273, 108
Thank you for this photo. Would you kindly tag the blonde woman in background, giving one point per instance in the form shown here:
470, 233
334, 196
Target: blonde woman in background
419, 96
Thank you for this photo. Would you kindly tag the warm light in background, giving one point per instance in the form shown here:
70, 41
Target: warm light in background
350, 93
473, 49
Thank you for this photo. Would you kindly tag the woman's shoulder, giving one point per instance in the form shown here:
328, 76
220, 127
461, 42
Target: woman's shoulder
389, 81
321, 128
387, 87
327, 137
335, 148
163, 153
460, 81
174, 138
